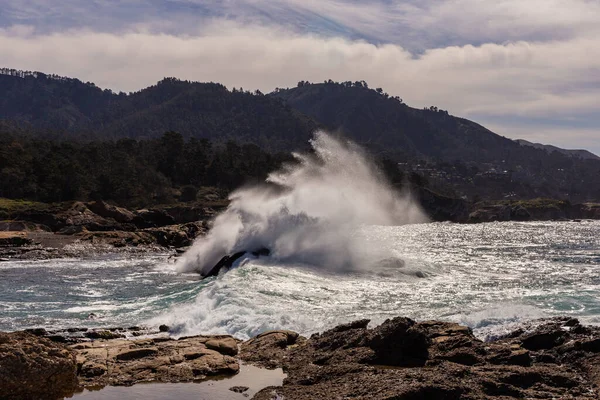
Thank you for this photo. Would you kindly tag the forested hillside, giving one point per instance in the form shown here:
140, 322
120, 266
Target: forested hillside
127, 171
474, 160
80, 122
64, 108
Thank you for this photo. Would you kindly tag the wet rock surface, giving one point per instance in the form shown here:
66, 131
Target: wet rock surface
120, 362
400, 359
33, 367
403, 359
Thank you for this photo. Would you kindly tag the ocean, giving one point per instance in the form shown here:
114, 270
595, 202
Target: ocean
490, 276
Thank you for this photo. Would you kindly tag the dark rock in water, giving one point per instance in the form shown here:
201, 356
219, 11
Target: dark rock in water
33, 367
239, 389
163, 328
227, 261
37, 331
73, 330
392, 262
106, 334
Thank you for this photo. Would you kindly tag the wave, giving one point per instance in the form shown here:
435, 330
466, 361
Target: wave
309, 212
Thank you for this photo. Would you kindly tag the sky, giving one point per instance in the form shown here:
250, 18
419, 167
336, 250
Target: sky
524, 69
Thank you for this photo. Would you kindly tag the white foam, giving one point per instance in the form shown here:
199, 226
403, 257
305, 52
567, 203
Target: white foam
309, 212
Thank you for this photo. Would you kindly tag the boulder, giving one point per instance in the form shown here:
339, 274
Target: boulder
33, 367
176, 235
269, 348
519, 213
399, 342
103, 334
153, 218
543, 340
105, 210
79, 215
225, 345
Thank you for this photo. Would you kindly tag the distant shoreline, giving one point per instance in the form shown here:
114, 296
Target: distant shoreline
44, 231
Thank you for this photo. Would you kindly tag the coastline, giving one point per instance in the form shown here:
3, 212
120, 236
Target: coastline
80, 229
401, 358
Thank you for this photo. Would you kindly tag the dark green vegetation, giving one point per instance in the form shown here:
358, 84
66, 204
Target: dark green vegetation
127, 171
62, 139
65, 108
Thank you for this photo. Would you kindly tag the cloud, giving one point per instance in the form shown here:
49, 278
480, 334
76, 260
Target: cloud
506, 60
414, 24
496, 79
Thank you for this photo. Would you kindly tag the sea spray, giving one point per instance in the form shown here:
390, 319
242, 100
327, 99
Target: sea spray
309, 212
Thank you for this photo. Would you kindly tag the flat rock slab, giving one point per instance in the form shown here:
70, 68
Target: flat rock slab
127, 362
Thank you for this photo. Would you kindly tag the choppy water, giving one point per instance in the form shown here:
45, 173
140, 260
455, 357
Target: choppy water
487, 276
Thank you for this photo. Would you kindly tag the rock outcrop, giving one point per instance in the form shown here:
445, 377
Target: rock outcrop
33, 368
160, 359
400, 359
97, 223
403, 359
106, 210
227, 261
14, 239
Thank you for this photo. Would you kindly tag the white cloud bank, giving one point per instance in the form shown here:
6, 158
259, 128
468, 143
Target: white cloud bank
555, 79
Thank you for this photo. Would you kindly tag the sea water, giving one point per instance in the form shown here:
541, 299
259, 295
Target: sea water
488, 276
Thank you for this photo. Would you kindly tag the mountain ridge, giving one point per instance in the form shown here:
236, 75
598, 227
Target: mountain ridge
454, 155
577, 153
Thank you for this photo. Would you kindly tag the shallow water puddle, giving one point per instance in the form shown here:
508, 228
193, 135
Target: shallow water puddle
212, 389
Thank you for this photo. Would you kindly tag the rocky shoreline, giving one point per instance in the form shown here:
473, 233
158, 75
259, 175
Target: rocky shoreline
80, 229
399, 359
